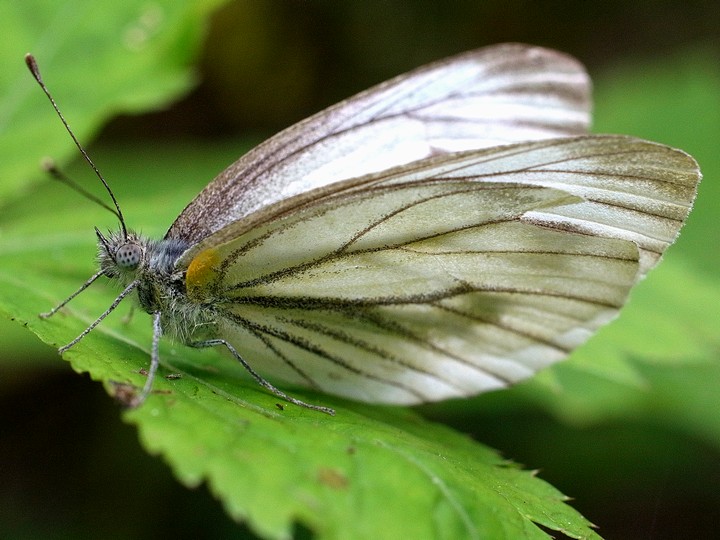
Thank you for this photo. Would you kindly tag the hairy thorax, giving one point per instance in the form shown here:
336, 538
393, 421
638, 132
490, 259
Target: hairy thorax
160, 285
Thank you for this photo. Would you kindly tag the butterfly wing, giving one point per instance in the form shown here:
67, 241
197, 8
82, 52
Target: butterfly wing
496, 95
449, 276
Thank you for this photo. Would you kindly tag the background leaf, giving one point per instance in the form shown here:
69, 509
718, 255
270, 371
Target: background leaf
100, 58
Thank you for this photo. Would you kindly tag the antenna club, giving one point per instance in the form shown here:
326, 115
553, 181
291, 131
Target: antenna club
48, 164
33, 67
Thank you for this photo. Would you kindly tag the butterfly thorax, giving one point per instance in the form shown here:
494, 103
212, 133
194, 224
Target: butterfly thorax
160, 285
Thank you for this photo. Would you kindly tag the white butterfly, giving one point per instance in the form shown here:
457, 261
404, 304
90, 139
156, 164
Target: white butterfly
451, 231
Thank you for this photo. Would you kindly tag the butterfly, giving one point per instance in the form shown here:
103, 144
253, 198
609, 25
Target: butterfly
451, 231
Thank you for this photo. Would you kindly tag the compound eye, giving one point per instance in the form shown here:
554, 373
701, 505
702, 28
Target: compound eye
128, 256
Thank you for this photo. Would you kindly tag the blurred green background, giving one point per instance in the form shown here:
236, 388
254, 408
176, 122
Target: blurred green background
639, 463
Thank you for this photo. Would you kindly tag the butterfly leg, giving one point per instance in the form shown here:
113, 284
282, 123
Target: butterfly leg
258, 378
139, 399
62, 304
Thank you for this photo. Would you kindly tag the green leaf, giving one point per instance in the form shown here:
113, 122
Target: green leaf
367, 472
99, 58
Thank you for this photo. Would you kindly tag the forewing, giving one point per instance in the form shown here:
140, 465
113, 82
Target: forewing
446, 277
496, 95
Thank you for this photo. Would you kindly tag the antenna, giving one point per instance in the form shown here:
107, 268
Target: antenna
33, 67
49, 166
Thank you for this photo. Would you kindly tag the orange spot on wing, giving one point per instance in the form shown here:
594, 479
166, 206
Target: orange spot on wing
201, 270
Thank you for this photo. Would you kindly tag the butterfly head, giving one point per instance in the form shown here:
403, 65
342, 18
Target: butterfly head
121, 255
